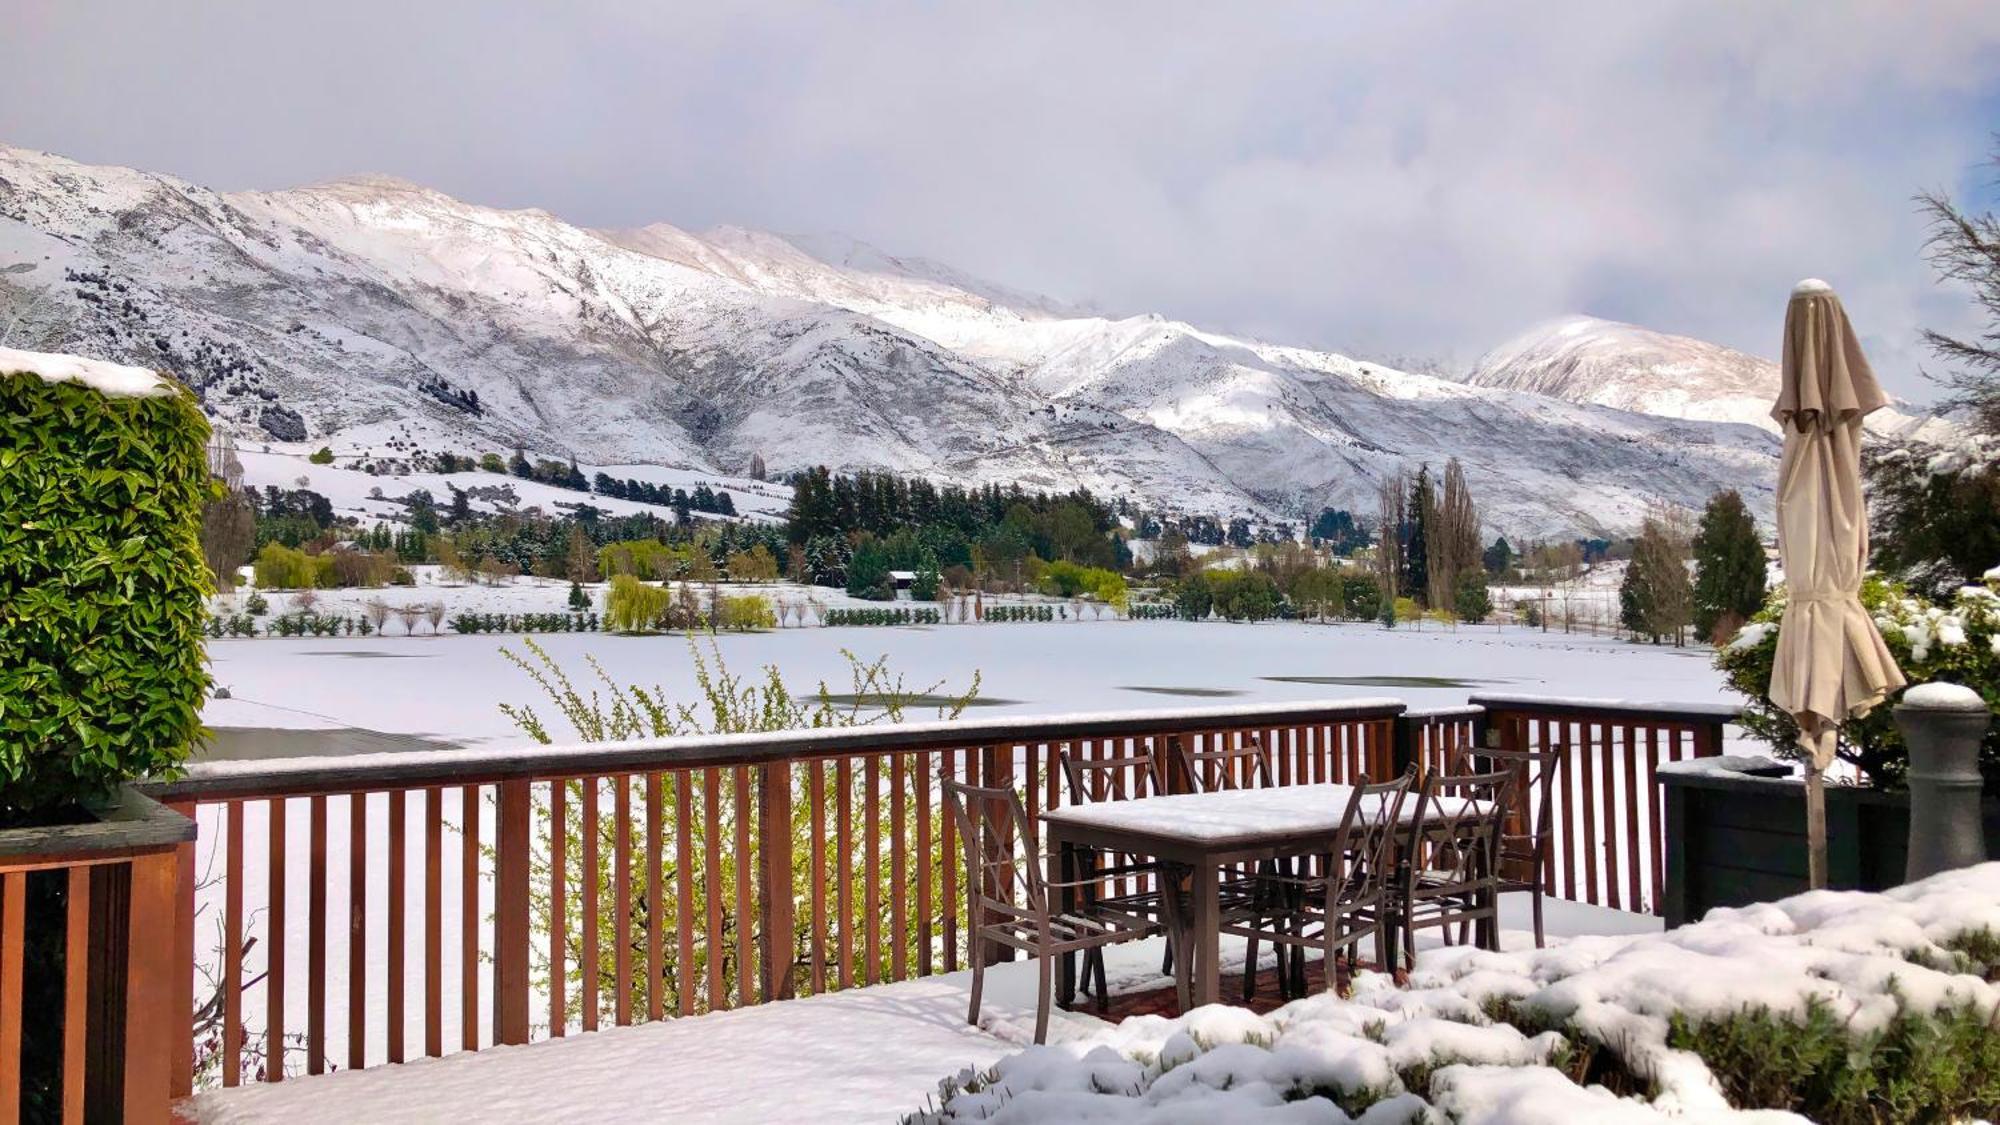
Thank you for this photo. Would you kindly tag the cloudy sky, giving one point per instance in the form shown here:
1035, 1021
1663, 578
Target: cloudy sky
1394, 180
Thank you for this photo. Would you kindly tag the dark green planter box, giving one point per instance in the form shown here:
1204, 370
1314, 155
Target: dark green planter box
1735, 840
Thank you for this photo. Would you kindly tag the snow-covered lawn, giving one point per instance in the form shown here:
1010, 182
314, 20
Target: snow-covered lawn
865, 1055
448, 687
1865, 957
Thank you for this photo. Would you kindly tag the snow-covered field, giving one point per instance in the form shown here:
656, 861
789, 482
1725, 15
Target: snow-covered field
448, 688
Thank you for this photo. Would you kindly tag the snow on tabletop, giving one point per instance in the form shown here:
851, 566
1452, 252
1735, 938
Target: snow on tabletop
1943, 697
112, 380
1857, 953
1227, 815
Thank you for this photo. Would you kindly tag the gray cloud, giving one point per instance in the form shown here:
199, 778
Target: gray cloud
1410, 179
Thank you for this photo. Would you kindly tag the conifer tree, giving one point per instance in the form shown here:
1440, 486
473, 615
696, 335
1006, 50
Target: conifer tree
1729, 567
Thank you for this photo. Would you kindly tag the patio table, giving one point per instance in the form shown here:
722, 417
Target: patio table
1203, 832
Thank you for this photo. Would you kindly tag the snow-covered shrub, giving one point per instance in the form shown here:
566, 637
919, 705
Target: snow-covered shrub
1841, 1006
103, 477
1936, 509
1955, 642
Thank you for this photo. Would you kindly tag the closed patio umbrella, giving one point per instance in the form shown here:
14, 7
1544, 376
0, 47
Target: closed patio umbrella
1831, 662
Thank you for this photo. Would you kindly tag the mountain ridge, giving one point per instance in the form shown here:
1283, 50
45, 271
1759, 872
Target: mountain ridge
391, 315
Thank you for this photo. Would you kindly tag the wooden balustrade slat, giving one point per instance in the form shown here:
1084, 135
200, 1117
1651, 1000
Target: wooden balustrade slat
948, 863
1634, 828
871, 850
76, 993
684, 978
899, 871
559, 909
357, 931
926, 919
711, 867
655, 930
1659, 818
395, 967
433, 922
746, 902
1581, 734
590, 792
816, 870
232, 944
843, 835
13, 950
621, 887
468, 918
1565, 776
316, 940
274, 952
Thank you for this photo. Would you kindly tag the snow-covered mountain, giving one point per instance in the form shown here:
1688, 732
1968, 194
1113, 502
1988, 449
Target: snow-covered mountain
379, 315
1584, 359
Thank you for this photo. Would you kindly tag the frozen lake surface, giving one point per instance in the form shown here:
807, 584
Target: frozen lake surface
407, 692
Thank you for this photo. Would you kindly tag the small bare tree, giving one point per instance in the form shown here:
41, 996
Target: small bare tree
411, 614
376, 612
305, 600
434, 613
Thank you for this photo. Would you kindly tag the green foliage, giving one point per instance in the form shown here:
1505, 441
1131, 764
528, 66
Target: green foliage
924, 587
868, 573
1472, 602
632, 606
321, 456
102, 588
470, 623
578, 600
1936, 511
1244, 595
279, 567
255, 605
724, 703
1958, 642
1196, 600
899, 615
1068, 580
1729, 567
1923, 1066
745, 612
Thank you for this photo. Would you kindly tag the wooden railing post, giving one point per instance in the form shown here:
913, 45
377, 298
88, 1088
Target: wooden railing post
997, 771
774, 810
1402, 744
182, 1059
510, 912
158, 1026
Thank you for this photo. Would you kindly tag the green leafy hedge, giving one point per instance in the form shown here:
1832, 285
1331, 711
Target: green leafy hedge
102, 583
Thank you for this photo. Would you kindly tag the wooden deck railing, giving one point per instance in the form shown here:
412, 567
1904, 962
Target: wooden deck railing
376, 908
88, 993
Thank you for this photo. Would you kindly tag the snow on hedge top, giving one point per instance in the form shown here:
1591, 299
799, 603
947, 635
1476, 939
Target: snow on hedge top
1864, 956
1943, 697
113, 380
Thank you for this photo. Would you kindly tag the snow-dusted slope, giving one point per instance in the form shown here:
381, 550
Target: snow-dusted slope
393, 317
1606, 363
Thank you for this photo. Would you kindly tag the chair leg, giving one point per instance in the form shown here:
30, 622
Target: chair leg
1103, 991
978, 985
1042, 1001
1540, 942
1167, 958
1250, 969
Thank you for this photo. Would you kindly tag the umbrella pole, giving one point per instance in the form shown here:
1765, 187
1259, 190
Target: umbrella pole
1815, 828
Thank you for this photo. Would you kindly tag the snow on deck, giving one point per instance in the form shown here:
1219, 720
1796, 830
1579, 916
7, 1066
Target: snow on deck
864, 1055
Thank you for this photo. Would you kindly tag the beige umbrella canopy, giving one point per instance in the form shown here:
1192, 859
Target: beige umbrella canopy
1831, 663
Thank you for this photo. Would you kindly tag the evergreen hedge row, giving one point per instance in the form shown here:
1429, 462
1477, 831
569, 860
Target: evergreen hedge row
1153, 611
470, 623
101, 589
895, 616
1012, 613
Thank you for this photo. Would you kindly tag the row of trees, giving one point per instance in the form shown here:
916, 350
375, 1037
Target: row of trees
1659, 598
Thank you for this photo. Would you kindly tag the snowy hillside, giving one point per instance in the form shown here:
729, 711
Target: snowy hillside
370, 307
1583, 359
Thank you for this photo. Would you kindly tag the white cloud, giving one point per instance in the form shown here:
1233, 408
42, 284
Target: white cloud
1422, 180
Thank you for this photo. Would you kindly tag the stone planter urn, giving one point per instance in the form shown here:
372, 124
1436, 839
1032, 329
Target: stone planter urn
1943, 725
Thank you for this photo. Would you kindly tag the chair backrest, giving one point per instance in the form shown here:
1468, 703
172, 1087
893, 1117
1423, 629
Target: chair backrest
1364, 850
1001, 852
1454, 837
1090, 780
1534, 773
1229, 765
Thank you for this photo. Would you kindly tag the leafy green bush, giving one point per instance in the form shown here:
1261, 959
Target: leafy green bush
1958, 643
102, 588
631, 606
